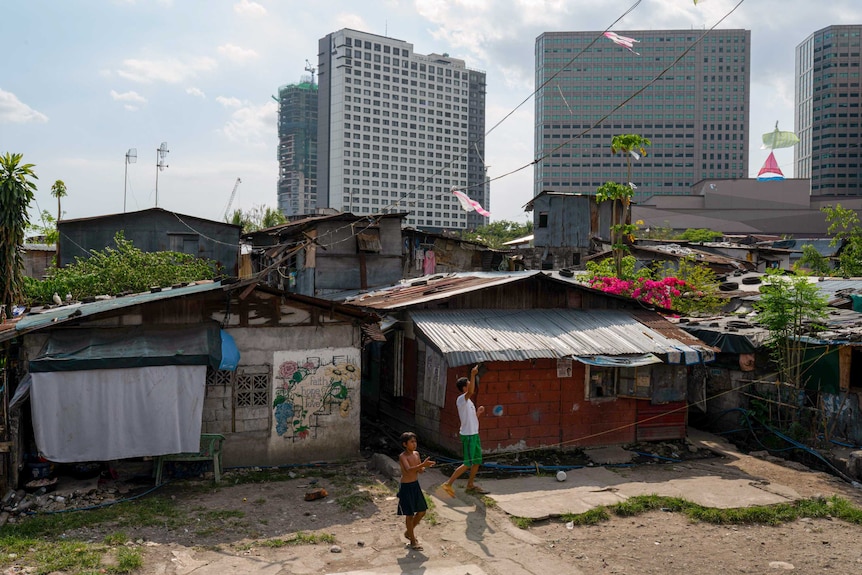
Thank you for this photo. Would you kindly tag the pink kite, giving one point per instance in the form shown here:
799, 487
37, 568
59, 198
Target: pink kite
623, 41
470, 205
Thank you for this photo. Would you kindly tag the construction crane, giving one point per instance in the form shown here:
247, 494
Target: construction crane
230, 201
310, 68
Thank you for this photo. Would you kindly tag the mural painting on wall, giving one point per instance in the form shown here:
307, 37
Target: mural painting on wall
310, 387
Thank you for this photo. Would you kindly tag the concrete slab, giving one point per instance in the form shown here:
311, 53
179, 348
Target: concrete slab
611, 455
587, 488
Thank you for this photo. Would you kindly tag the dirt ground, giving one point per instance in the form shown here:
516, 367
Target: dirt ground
243, 527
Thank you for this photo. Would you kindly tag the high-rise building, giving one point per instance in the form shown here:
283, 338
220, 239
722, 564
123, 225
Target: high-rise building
297, 148
398, 131
689, 98
827, 102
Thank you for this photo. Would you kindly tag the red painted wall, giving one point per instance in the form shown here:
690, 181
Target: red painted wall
540, 409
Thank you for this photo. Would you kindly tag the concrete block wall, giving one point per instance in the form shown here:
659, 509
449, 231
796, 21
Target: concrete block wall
538, 409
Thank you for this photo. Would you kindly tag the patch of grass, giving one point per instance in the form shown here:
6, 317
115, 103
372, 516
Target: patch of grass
591, 517
762, 514
273, 543
48, 556
116, 539
522, 522
128, 559
431, 515
147, 512
303, 538
354, 501
488, 501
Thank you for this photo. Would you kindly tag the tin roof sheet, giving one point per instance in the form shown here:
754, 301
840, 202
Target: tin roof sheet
429, 288
471, 336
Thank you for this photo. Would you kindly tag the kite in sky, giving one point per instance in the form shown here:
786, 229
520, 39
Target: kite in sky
623, 41
470, 205
778, 139
770, 170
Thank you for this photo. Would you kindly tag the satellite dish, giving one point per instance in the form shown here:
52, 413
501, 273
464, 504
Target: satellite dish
132, 156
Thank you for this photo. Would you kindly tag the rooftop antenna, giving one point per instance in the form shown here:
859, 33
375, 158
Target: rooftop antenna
131, 158
161, 152
310, 68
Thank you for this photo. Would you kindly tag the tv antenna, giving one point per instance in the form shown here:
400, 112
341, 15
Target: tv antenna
310, 68
161, 152
131, 158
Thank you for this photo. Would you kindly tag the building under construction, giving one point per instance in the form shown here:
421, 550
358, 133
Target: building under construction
297, 148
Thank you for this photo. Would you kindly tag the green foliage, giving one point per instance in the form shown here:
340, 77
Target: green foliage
495, 234
844, 227
17, 189
701, 295
789, 307
48, 229
699, 235
124, 269
607, 268
813, 261
257, 218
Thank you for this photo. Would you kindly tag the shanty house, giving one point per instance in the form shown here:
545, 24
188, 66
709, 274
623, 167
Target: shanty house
146, 374
322, 254
151, 230
562, 364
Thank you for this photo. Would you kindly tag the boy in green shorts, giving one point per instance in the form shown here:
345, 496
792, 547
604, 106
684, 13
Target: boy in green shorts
469, 432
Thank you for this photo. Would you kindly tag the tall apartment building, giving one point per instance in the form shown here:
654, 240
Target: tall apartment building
398, 130
827, 101
694, 110
297, 148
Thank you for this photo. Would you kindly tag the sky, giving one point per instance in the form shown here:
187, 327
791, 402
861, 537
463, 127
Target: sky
85, 81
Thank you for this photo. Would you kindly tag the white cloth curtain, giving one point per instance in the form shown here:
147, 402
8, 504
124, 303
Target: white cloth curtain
106, 414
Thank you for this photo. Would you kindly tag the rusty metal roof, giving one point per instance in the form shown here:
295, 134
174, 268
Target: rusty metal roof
471, 336
429, 288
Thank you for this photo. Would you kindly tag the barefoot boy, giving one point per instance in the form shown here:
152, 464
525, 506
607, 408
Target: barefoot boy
411, 500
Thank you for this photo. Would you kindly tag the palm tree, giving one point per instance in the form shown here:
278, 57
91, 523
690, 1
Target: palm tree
58, 190
16, 192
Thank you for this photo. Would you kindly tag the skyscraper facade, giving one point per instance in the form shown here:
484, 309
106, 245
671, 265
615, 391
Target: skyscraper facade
689, 98
297, 148
398, 130
827, 101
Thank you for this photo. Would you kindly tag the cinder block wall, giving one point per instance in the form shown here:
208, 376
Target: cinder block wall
538, 409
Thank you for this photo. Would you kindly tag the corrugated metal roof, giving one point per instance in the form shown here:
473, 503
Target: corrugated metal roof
472, 336
429, 288
62, 313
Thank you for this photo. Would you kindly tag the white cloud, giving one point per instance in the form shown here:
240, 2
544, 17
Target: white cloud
253, 125
171, 70
130, 96
228, 102
14, 110
250, 8
237, 53
348, 20
196, 92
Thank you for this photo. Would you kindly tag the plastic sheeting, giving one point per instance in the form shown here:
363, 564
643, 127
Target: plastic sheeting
106, 414
138, 346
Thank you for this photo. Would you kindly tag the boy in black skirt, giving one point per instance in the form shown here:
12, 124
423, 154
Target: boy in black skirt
411, 500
